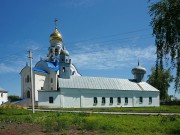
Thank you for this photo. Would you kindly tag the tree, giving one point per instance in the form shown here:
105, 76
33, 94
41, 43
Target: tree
13, 98
162, 82
166, 29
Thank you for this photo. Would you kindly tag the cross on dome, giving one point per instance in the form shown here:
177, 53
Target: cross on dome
55, 23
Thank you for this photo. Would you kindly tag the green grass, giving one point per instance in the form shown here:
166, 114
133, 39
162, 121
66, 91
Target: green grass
104, 124
163, 108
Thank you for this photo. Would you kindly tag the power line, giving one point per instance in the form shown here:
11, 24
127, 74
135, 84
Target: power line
108, 36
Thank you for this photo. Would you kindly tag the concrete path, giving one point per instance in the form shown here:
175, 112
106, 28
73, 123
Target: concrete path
113, 113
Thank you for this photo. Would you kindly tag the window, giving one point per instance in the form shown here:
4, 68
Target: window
42, 88
28, 78
111, 100
1, 94
51, 88
51, 100
140, 100
51, 80
28, 94
118, 100
103, 100
63, 70
56, 50
150, 100
126, 100
95, 100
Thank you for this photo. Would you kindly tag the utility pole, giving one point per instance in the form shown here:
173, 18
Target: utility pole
31, 77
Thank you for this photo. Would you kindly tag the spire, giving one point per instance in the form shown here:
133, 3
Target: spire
138, 61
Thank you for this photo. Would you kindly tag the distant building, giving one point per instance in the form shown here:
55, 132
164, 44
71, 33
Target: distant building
3, 96
57, 83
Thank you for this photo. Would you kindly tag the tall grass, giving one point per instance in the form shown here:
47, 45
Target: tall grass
104, 124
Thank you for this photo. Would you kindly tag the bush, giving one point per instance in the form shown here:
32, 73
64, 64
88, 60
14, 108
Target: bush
13, 98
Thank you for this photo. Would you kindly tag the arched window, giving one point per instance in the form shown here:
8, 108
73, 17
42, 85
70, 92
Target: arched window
103, 100
119, 100
51, 100
28, 78
140, 100
63, 70
51, 80
28, 94
150, 100
111, 100
56, 50
126, 100
95, 100
51, 50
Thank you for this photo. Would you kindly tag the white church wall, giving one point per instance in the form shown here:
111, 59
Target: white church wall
44, 96
41, 81
85, 98
3, 97
71, 98
53, 80
25, 85
79, 98
145, 98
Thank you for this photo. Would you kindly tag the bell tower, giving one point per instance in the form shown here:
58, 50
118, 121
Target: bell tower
65, 62
55, 43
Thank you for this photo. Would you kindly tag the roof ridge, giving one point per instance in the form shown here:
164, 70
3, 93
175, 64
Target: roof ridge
140, 86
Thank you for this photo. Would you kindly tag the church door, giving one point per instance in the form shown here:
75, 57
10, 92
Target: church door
28, 94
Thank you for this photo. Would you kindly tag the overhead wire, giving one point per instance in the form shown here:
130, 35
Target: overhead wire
108, 41
108, 36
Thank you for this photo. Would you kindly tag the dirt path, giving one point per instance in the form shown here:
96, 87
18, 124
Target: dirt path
19, 128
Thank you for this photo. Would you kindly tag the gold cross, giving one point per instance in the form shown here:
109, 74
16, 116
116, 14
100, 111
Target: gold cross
55, 22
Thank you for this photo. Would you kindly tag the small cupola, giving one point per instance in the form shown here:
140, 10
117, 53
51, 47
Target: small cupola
138, 73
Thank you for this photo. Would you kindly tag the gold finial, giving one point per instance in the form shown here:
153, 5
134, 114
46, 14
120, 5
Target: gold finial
56, 35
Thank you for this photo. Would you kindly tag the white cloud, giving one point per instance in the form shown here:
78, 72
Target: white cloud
85, 56
117, 57
6, 69
19, 56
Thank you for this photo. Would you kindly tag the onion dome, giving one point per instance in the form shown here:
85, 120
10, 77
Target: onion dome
138, 69
138, 73
56, 35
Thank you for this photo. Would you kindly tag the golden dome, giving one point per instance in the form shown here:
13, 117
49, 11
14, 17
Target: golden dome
56, 35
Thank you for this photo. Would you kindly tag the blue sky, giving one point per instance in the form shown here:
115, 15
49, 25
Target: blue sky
104, 37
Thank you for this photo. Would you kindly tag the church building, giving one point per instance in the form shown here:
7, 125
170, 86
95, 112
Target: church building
57, 83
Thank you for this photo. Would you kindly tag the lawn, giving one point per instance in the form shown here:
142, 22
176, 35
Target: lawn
97, 123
